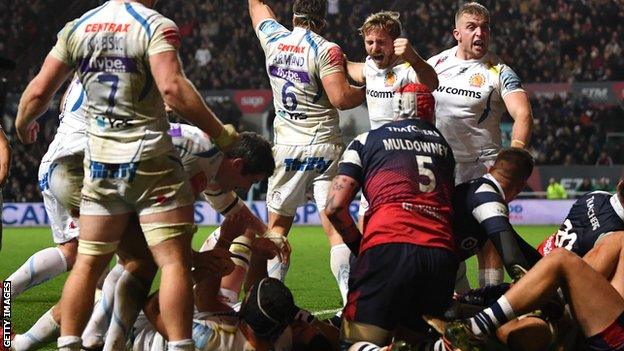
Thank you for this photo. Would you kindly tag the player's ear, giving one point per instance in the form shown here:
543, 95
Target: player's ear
238, 163
456, 34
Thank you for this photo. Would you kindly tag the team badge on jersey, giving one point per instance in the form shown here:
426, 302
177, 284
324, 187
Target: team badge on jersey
390, 79
477, 80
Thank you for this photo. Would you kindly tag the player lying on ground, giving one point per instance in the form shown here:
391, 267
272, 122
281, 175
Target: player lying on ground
595, 304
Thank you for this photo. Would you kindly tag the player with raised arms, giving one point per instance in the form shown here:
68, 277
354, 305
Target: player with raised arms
129, 68
391, 63
308, 81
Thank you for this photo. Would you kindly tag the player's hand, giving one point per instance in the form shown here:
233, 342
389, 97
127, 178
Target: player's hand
28, 134
217, 261
264, 248
282, 243
403, 49
227, 138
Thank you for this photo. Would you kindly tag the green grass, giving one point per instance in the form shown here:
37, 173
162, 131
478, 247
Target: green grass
309, 277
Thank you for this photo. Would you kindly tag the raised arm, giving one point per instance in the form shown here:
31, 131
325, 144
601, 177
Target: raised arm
424, 72
37, 97
182, 97
259, 11
519, 108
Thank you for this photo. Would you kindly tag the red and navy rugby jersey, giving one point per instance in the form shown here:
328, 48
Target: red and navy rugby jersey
406, 172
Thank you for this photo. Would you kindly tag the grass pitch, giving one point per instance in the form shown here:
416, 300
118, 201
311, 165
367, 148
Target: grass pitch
309, 277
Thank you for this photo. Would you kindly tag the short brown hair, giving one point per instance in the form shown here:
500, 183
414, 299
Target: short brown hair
310, 13
516, 163
387, 20
472, 8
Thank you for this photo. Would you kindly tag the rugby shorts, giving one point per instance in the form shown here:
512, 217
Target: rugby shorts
465, 171
300, 170
395, 284
610, 339
145, 187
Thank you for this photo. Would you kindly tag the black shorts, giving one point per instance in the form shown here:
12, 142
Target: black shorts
395, 284
610, 339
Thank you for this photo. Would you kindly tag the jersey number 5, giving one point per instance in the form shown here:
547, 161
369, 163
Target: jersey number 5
424, 171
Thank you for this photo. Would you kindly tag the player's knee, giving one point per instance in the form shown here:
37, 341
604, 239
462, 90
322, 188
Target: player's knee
564, 258
69, 251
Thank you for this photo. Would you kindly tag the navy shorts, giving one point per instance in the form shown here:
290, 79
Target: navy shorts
395, 284
610, 339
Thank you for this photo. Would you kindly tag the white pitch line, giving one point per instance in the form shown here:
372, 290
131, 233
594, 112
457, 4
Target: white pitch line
316, 313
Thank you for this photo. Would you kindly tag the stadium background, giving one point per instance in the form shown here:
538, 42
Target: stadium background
567, 53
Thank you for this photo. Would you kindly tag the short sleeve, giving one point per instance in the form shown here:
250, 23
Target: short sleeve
351, 162
509, 81
331, 61
269, 31
166, 37
60, 50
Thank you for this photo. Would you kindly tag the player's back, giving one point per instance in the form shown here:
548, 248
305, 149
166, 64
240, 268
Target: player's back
296, 61
110, 47
407, 173
592, 216
381, 83
478, 208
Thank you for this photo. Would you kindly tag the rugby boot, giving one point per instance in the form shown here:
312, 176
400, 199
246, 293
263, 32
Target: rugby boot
459, 337
516, 272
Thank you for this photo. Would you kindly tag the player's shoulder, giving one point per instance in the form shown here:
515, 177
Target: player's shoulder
270, 27
441, 57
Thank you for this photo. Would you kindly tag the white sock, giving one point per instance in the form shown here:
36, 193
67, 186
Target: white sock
44, 330
69, 343
491, 276
181, 345
277, 269
93, 335
339, 261
130, 293
40, 267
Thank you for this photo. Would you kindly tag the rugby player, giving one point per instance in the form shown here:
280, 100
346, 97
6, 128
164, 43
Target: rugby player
406, 260
480, 212
475, 89
213, 175
391, 63
308, 80
68, 144
128, 66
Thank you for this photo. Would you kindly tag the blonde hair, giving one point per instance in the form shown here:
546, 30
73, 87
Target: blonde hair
472, 8
387, 20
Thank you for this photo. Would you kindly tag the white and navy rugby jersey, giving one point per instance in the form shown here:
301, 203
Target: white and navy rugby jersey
592, 216
380, 87
71, 134
469, 103
110, 48
479, 210
406, 171
201, 160
296, 61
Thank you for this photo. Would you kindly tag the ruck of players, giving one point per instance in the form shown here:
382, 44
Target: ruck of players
137, 146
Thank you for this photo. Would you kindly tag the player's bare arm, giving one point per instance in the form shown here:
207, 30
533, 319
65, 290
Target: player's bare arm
5, 158
341, 94
341, 194
355, 71
426, 74
259, 11
181, 96
37, 96
519, 108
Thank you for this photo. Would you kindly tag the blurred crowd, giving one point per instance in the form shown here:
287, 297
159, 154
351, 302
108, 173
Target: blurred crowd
543, 41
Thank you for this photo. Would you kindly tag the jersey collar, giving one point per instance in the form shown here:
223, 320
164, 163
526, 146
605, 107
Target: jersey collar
498, 186
617, 206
